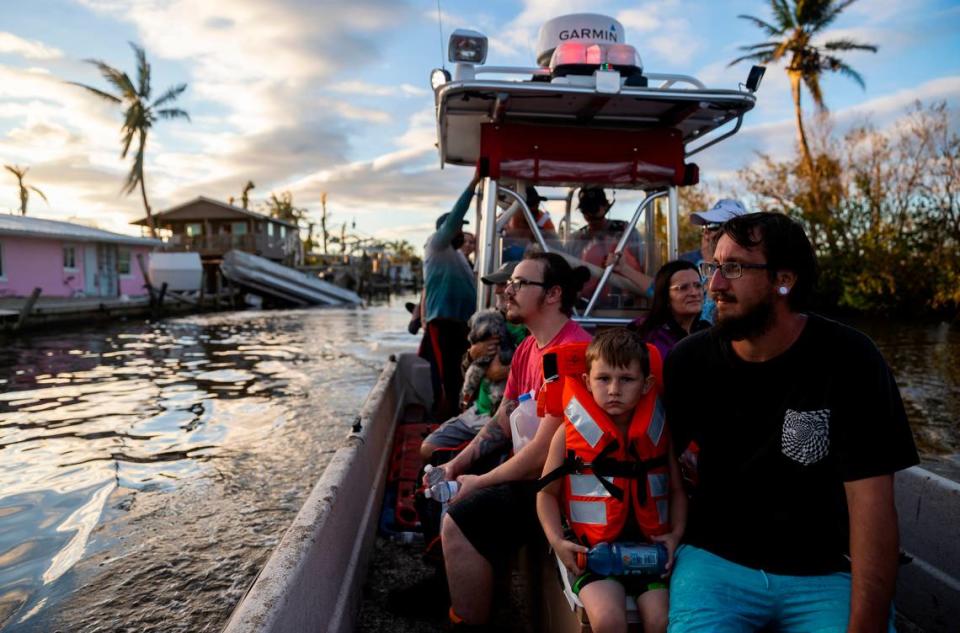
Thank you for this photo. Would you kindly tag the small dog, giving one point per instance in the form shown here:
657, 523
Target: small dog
484, 326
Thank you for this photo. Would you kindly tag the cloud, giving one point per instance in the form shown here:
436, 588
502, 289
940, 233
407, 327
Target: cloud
778, 138
10, 43
366, 89
258, 77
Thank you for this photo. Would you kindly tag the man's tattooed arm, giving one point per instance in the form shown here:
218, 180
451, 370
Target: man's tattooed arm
493, 438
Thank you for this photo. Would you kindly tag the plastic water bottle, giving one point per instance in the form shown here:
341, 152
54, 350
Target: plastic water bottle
434, 474
442, 491
524, 421
625, 559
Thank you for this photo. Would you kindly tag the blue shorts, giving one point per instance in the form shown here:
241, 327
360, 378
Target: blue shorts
709, 594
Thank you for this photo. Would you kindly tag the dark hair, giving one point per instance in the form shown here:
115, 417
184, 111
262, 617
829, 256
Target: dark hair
785, 246
592, 198
618, 347
557, 272
660, 309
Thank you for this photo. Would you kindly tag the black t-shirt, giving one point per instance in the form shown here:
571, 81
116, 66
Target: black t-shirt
778, 439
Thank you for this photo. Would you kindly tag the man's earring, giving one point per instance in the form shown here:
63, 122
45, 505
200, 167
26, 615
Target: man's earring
783, 290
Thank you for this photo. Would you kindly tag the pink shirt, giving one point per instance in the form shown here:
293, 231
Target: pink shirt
526, 370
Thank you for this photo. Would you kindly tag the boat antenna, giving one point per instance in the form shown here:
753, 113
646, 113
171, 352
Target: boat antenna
440, 26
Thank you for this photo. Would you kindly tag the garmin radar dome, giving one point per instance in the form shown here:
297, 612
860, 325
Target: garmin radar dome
583, 28
582, 43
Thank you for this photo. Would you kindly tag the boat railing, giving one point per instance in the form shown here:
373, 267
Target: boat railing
468, 72
519, 204
618, 251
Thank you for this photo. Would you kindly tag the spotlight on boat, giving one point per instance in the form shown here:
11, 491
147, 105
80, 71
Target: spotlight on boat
755, 77
438, 77
467, 47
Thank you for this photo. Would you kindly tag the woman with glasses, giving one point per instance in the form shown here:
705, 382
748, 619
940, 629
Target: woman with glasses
677, 302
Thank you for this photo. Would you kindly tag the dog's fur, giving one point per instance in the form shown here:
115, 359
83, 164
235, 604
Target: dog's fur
486, 325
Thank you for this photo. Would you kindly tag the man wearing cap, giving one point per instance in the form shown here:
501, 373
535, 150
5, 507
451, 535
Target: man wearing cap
596, 242
462, 428
450, 299
709, 222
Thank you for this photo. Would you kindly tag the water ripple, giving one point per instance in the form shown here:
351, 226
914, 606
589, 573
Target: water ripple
175, 443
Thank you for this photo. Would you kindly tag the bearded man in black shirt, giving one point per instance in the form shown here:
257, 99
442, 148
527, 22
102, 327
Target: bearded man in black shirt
800, 428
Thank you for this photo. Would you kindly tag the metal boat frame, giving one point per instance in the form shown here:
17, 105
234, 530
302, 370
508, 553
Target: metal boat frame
472, 109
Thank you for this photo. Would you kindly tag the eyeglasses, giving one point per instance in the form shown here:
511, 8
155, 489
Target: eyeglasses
710, 228
682, 288
516, 284
728, 270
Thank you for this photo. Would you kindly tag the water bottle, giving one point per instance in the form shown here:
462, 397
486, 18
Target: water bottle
442, 491
524, 421
434, 474
625, 559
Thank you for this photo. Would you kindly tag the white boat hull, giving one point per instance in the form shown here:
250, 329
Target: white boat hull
281, 282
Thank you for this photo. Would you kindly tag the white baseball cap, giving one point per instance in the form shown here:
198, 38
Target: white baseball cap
725, 209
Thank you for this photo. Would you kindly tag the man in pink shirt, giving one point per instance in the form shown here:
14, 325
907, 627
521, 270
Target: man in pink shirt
495, 513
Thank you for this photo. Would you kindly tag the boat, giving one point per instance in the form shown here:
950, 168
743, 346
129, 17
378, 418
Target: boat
535, 126
282, 284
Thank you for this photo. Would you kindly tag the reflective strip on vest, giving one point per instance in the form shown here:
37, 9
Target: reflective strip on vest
655, 430
658, 485
588, 486
588, 512
581, 420
663, 511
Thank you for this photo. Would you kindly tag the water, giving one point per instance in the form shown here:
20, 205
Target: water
146, 471
926, 362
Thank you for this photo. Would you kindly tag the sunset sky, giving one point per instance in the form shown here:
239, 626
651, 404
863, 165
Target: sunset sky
312, 96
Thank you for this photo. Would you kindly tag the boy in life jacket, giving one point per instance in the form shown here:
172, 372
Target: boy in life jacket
611, 472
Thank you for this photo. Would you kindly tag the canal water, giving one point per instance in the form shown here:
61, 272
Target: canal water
147, 470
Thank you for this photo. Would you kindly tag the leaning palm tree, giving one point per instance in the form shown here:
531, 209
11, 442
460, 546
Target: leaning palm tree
20, 173
245, 196
139, 115
795, 25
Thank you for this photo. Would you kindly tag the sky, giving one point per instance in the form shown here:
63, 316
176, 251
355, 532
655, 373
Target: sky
314, 96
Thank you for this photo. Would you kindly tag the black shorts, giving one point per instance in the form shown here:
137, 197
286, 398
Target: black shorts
499, 519
634, 586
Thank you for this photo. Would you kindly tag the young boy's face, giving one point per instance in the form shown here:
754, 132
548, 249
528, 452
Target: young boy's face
617, 390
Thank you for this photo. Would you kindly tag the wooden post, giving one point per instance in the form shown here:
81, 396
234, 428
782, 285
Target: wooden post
203, 286
158, 307
219, 285
28, 307
146, 277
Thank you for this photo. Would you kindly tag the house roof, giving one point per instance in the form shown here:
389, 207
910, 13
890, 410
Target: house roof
54, 229
182, 212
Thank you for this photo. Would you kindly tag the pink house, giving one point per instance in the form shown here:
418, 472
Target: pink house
68, 260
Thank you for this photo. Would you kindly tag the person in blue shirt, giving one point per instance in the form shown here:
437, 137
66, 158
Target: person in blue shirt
450, 298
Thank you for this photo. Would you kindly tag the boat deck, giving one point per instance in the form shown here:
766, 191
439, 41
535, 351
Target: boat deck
395, 566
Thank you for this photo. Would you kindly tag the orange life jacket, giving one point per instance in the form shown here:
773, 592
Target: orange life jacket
603, 477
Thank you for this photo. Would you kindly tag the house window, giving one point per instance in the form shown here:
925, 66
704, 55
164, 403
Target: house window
194, 229
270, 229
238, 228
283, 231
123, 261
70, 258
3, 274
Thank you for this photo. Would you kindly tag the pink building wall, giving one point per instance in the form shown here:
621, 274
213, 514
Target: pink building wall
30, 262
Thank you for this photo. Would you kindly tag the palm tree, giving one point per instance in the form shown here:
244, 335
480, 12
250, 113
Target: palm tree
139, 115
20, 173
245, 196
282, 208
796, 24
